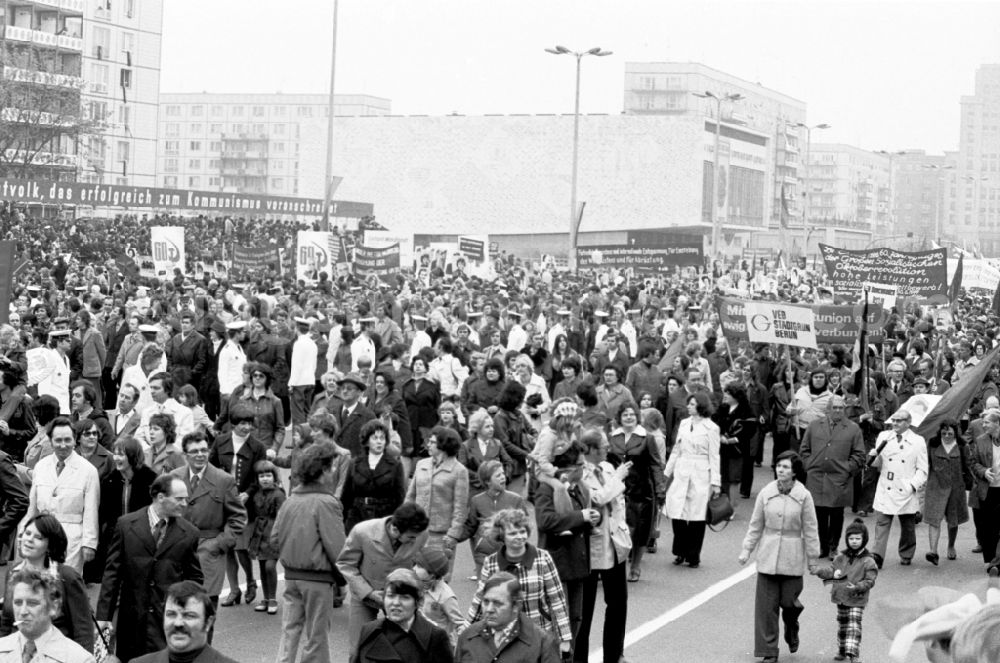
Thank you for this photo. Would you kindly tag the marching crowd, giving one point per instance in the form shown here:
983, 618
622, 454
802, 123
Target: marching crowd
555, 422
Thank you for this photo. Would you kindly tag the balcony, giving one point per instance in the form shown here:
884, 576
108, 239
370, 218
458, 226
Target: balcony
44, 38
42, 158
69, 43
74, 7
42, 78
24, 116
16, 33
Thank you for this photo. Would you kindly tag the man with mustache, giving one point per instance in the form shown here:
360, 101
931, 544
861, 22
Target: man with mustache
187, 619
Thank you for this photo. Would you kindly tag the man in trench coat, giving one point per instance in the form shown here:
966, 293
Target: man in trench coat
833, 451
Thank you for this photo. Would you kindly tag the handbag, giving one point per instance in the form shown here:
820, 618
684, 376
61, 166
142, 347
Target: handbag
720, 509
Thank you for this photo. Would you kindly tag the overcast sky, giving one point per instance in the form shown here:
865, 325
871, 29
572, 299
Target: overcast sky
886, 75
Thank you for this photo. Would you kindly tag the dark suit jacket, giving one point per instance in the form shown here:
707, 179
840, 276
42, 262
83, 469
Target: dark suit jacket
187, 360
113, 339
433, 643
372, 493
250, 453
136, 578
350, 428
566, 535
980, 460
131, 426
207, 655
214, 507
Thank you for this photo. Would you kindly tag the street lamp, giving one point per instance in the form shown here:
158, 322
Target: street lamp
718, 98
892, 200
805, 193
574, 221
328, 182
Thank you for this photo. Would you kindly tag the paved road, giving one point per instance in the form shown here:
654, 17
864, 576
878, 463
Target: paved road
680, 614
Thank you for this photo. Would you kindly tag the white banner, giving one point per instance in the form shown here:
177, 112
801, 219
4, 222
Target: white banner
976, 273
312, 255
168, 249
880, 293
786, 325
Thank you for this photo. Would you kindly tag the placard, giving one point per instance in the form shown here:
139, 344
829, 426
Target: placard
382, 262
312, 255
473, 249
880, 293
253, 259
167, 244
834, 323
921, 274
781, 324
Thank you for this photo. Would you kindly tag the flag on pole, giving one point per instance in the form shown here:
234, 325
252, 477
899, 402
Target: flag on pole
956, 282
783, 217
861, 359
996, 300
956, 400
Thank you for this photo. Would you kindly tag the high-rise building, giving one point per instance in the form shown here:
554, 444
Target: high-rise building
79, 89
918, 193
672, 88
974, 211
247, 143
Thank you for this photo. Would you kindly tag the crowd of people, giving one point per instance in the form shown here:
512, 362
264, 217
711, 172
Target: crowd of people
553, 421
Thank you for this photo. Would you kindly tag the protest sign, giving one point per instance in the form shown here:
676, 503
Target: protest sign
254, 259
880, 293
167, 244
380, 239
976, 273
834, 323
312, 254
643, 259
778, 323
381, 262
921, 274
471, 248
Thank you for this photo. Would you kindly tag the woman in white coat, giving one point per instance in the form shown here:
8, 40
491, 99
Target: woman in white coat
694, 467
53, 376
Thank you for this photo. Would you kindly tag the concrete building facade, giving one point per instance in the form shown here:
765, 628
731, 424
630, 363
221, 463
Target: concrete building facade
249, 143
974, 207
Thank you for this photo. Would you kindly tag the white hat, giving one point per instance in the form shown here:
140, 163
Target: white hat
600, 314
236, 324
671, 326
149, 329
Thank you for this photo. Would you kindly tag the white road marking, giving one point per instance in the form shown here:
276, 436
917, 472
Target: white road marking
653, 625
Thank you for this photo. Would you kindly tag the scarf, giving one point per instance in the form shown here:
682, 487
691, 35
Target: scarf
526, 562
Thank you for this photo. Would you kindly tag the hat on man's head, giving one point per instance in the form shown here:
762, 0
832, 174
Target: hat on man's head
355, 379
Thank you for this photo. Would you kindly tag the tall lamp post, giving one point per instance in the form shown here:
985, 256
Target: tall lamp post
328, 181
574, 223
713, 207
805, 193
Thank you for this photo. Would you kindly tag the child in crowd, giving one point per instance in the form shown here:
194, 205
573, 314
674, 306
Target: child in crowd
852, 576
262, 509
440, 605
494, 497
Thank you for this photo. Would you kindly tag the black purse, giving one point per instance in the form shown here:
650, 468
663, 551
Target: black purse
720, 510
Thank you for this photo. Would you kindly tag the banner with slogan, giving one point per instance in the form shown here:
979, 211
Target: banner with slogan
640, 258
976, 273
381, 262
473, 249
48, 192
167, 244
312, 255
381, 239
833, 323
880, 293
921, 274
781, 324
254, 259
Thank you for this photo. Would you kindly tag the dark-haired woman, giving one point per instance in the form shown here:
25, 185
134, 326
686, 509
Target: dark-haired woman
125, 490
778, 399
512, 428
644, 484
949, 476
784, 531
383, 397
17, 421
422, 397
573, 376
42, 547
376, 482
484, 393
738, 427
561, 351
695, 468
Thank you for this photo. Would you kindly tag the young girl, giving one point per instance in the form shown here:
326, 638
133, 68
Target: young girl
440, 605
261, 512
852, 575
188, 397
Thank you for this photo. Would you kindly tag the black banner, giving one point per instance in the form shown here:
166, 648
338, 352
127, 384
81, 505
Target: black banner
921, 274
473, 249
641, 258
252, 259
47, 192
380, 262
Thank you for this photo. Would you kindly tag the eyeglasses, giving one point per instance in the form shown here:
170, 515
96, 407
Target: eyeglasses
197, 452
90, 433
257, 375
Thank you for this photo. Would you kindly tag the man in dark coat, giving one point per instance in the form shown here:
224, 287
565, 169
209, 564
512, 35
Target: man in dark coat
832, 451
187, 354
187, 621
115, 332
564, 523
152, 548
353, 415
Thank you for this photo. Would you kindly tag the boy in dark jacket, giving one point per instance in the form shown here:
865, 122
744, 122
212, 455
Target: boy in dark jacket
851, 576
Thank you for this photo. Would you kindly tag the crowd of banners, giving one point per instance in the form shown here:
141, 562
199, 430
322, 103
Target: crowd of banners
382, 262
47, 192
252, 259
769, 322
921, 274
831, 323
319, 251
167, 248
641, 258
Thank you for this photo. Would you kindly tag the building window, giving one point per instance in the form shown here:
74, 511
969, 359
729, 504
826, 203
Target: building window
194, 182
194, 164
258, 111
258, 129
126, 78
279, 129
170, 182
215, 128
130, 8
214, 163
101, 47
195, 146
123, 151
171, 146
277, 183
124, 115
128, 47
173, 129
99, 76
305, 111
196, 128
218, 111
214, 181
215, 146
170, 166
279, 147
280, 110
237, 111
98, 110
197, 111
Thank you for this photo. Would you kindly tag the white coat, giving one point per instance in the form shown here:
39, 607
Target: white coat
55, 380
903, 473
231, 362
72, 497
694, 466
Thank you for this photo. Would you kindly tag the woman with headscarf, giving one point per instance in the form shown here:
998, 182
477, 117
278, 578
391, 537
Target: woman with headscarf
810, 403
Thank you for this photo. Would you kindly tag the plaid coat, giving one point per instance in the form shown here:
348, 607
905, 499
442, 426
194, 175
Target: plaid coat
543, 600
